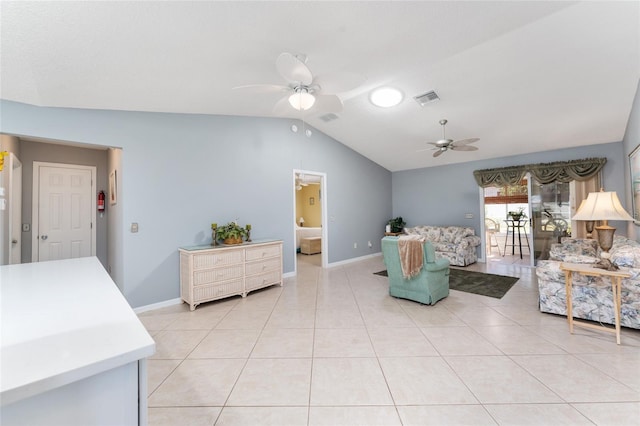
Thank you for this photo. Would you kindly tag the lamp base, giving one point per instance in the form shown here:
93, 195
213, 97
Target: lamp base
605, 238
589, 226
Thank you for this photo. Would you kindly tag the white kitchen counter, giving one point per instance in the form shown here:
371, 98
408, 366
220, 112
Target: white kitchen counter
63, 322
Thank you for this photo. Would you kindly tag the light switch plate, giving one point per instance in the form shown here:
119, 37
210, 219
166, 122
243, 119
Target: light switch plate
134, 227
26, 227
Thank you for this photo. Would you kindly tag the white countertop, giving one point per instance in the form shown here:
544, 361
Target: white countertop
63, 321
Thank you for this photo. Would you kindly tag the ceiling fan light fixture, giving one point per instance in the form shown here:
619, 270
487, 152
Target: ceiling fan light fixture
386, 97
302, 100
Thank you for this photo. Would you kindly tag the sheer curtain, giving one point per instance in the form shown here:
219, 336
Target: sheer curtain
579, 192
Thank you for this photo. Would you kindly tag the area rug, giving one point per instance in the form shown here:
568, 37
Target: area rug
491, 285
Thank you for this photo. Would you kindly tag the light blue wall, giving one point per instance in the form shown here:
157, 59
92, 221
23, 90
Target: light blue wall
181, 172
442, 195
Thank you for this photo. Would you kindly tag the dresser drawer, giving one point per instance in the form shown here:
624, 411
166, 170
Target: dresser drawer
257, 253
210, 276
262, 280
267, 265
210, 260
210, 292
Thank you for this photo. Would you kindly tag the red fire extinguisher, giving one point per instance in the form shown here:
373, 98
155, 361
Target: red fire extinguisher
101, 198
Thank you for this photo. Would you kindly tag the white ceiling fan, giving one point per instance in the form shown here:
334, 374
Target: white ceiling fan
303, 89
445, 144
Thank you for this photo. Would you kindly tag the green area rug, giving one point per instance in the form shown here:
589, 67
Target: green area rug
476, 282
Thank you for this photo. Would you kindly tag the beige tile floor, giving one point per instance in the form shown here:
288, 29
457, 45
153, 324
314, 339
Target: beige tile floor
331, 347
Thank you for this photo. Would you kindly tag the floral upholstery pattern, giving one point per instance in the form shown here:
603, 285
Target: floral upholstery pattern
574, 246
592, 297
457, 244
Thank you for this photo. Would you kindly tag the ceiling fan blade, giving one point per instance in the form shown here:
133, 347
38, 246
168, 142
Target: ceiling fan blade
262, 88
292, 69
438, 152
327, 103
465, 141
464, 147
283, 107
339, 83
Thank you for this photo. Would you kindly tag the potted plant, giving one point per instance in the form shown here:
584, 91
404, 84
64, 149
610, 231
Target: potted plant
231, 233
397, 224
517, 215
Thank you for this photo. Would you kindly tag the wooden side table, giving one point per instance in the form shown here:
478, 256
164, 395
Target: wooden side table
616, 282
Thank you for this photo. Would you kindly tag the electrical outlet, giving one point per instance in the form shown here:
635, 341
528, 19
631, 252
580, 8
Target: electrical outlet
355, 245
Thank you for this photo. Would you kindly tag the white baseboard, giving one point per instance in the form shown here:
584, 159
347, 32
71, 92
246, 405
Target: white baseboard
178, 301
353, 260
158, 305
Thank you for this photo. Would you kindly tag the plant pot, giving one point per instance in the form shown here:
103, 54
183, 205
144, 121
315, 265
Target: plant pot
231, 241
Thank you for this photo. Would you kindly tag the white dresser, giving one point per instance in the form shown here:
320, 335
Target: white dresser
210, 273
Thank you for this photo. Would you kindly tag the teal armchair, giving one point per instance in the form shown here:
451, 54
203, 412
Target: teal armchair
429, 286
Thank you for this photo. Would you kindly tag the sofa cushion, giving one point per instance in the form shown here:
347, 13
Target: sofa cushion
573, 246
455, 234
431, 233
445, 247
625, 252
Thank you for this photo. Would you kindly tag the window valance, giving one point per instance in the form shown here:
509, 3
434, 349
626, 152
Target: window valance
560, 171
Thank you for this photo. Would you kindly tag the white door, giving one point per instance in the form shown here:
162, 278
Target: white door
64, 211
15, 209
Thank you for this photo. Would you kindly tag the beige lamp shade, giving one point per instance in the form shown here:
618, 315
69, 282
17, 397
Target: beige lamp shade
603, 205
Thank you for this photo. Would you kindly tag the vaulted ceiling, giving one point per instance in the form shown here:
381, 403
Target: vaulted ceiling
521, 76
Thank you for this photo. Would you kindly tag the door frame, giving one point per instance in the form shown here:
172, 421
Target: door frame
324, 224
35, 217
14, 198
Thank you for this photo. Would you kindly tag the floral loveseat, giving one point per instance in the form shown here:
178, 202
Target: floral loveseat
457, 244
592, 299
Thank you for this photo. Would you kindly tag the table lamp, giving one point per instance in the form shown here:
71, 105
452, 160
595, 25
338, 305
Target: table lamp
588, 224
604, 206
301, 221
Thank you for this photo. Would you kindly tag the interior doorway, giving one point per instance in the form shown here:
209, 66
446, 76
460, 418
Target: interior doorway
309, 217
64, 213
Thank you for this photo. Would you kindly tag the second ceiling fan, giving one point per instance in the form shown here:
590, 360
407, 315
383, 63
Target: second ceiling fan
445, 144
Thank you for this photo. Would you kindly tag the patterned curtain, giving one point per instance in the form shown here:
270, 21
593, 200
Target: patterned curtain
561, 171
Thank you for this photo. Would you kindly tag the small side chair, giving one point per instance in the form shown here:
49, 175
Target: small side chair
491, 227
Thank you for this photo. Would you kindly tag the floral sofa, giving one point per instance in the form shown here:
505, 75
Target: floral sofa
592, 299
457, 244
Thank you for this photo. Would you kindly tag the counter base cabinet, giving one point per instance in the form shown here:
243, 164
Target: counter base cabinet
108, 398
212, 273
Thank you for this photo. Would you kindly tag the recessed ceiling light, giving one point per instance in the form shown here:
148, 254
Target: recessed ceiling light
386, 97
